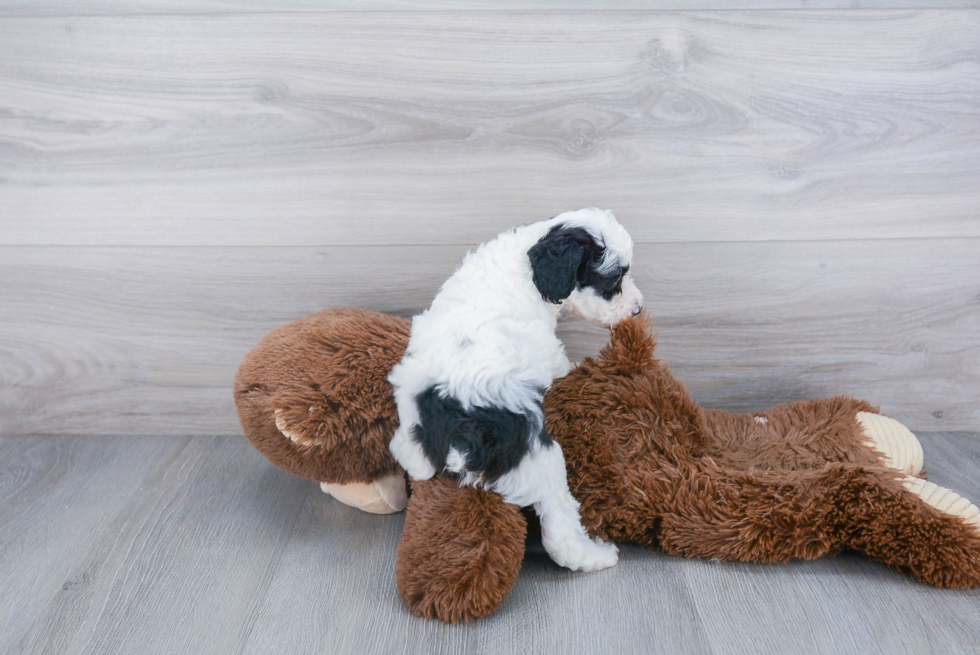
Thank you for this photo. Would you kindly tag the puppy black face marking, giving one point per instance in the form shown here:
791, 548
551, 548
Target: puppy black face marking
569, 258
606, 285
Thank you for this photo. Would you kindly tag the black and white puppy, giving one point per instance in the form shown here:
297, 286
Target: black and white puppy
469, 389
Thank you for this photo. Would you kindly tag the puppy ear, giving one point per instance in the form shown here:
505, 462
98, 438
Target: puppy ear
555, 261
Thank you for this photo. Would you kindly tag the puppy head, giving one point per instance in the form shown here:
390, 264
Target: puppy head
583, 263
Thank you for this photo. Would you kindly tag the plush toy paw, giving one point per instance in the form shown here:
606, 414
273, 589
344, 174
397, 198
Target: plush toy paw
896, 442
586, 555
386, 495
945, 500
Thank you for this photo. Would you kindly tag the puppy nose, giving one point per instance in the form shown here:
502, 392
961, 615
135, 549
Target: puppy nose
637, 309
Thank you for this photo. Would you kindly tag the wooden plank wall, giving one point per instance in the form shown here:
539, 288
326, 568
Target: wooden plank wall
178, 178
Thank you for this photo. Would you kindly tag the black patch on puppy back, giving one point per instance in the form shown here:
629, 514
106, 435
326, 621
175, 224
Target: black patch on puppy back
560, 258
490, 439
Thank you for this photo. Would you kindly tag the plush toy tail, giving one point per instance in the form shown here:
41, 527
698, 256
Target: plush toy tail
461, 551
631, 343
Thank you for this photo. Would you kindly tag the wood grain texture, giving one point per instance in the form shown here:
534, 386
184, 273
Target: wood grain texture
209, 548
58, 496
447, 127
137, 7
187, 561
147, 340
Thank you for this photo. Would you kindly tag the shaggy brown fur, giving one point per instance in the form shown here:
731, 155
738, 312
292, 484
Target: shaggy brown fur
651, 468
648, 465
479, 554
327, 376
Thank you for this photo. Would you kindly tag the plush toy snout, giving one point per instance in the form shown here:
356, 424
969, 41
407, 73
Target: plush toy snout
385, 495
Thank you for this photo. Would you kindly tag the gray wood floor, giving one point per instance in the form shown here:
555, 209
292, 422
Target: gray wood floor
142, 544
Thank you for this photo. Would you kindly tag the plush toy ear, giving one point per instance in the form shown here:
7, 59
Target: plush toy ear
555, 261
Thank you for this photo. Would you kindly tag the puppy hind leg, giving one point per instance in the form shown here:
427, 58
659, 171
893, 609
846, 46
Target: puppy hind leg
567, 542
540, 480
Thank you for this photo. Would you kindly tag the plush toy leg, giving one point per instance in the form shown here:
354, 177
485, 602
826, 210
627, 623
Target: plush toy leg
386, 495
461, 551
921, 529
806, 514
944, 500
801, 435
810, 433
901, 449
753, 517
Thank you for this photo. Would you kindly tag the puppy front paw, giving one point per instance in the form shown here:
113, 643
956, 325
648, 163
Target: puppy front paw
419, 470
410, 456
585, 555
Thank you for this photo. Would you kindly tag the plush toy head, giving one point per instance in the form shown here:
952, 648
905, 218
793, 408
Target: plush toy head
314, 398
648, 465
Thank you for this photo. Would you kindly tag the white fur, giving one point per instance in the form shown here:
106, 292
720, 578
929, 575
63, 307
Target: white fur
593, 308
540, 480
486, 340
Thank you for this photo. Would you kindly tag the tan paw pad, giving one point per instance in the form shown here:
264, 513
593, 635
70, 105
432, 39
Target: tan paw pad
943, 499
896, 442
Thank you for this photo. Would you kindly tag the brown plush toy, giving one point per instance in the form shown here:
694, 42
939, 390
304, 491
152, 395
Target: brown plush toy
648, 465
